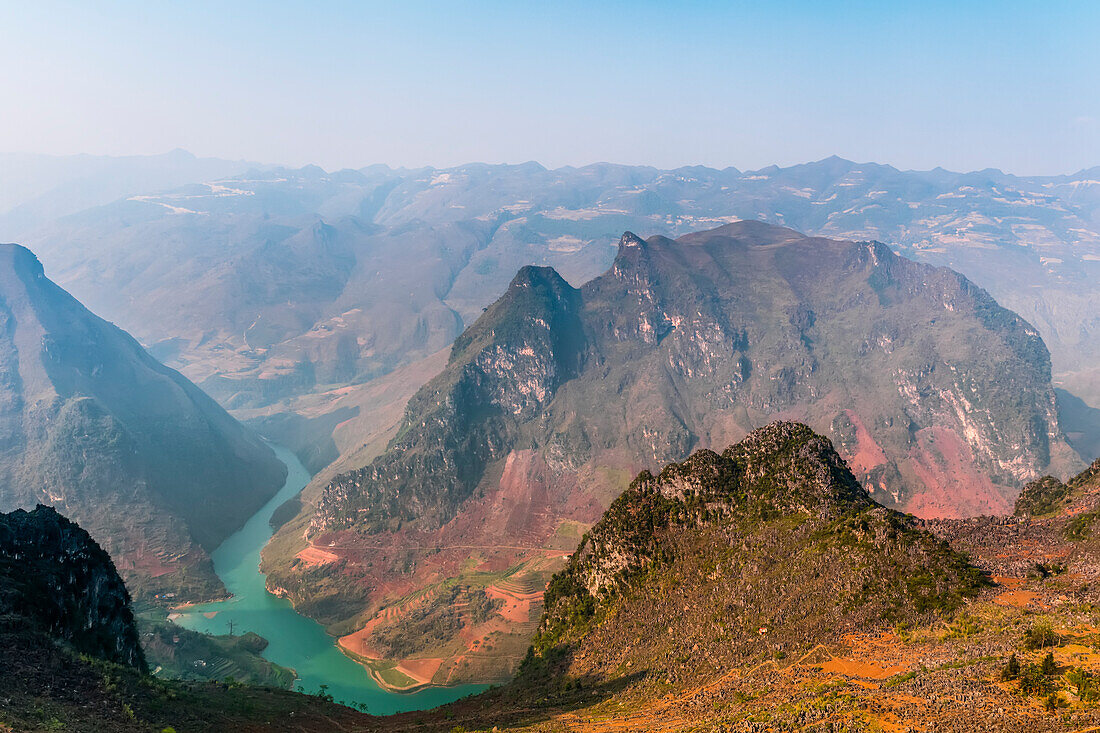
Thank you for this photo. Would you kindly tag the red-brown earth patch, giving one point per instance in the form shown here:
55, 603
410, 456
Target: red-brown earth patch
954, 487
514, 526
868, 454
317, 556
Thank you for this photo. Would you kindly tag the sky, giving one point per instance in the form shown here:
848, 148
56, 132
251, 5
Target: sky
963, 85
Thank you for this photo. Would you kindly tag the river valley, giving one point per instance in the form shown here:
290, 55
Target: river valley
295, 641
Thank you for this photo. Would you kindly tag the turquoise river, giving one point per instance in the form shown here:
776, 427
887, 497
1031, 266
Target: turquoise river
295, 641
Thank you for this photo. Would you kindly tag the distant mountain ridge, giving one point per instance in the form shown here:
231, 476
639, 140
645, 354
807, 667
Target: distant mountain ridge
407, 258
36, 189
940, 399
91, 424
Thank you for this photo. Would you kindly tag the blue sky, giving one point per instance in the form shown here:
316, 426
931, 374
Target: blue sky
965, 85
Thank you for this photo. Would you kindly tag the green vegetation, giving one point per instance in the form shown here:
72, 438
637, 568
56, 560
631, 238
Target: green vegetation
1085, 685
1080, 527
1041, 635
429, 624
1033, 683
174, 652
285, 512
1042, 497
392, 676
768, 523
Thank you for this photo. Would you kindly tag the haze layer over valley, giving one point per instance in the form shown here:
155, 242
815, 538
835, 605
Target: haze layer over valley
93, 426
274, 290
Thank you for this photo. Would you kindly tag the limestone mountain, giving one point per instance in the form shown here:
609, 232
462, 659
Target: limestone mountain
940, 399
210, 275
762, 589
91, 424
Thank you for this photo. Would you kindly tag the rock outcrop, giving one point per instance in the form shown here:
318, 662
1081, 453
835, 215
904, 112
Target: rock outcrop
55, 579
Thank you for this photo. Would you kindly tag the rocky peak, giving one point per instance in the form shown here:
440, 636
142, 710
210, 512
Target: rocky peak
630, 240
795, 467
535, 276
504, 370
17, 256
774, 534
782, 468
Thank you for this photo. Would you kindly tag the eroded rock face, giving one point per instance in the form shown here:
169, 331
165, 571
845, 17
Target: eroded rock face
941, 398
913, 368
503, 372
56, 579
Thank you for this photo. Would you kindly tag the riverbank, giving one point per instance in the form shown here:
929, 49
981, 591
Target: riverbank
398, 677
295, 641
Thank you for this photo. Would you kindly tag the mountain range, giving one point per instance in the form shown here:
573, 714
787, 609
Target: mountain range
37, 189
92, 425
399, 262
940, 400
467, 449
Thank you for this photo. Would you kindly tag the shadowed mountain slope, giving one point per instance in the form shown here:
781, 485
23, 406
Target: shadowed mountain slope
91, 424
55, 579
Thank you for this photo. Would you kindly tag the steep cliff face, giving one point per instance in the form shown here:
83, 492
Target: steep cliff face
939, 399
70, 658
502, 373
91, 424
55, 579
916, 371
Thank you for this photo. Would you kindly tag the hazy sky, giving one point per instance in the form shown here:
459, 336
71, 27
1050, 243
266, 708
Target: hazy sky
964, 85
